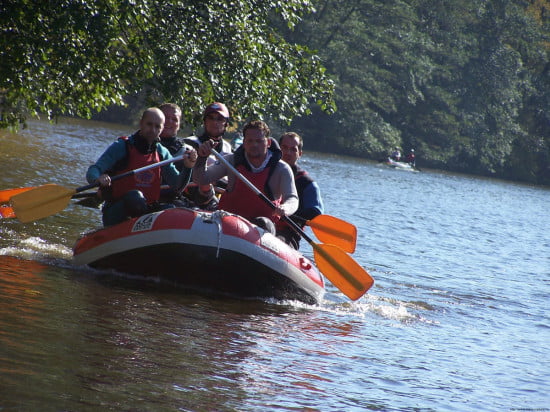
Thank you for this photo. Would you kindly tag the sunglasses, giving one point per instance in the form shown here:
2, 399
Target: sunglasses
216, 118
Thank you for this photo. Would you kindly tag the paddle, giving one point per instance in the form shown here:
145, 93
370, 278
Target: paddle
8, 212
330, 229
7, 194
49, 199
339, 267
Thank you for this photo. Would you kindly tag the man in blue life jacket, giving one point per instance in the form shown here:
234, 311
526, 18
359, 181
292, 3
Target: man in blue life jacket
215, 121
137, 194
309, 194
259, 160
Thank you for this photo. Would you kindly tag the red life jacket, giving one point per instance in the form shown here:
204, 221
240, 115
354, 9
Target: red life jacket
244, 202
148, 182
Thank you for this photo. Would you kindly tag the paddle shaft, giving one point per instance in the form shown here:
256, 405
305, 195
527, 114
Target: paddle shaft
131, 172
49, 199
6, 194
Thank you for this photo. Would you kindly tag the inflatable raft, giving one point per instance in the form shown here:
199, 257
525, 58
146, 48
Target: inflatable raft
207, 251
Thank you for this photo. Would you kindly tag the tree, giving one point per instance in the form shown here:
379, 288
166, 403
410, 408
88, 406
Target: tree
77, 57
463, 82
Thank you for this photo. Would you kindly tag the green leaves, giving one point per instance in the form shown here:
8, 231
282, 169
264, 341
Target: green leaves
79, 57
460, 81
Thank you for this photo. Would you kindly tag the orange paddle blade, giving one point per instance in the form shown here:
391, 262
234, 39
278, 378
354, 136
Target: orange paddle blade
342, 271
41, 202
7, 194
338, 232
6, 212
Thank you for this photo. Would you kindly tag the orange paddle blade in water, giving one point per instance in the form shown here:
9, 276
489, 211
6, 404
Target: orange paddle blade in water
342, 271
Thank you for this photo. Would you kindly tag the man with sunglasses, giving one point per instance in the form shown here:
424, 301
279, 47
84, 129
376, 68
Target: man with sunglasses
215, 121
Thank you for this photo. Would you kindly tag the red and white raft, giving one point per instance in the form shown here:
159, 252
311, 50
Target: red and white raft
210, 251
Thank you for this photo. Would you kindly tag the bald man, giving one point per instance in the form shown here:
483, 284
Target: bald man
135, 195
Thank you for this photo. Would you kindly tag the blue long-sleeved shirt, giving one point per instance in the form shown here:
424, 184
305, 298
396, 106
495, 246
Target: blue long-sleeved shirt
117, 151
311, 203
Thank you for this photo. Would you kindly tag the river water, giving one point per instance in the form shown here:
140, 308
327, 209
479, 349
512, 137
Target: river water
458, 319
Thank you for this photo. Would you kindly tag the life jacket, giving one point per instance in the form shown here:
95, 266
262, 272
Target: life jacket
173, 144
176, 147
302, 180
148, 182
243, 201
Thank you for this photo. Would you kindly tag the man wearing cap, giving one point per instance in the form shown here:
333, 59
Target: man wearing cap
259, 160
410, 159
215, 120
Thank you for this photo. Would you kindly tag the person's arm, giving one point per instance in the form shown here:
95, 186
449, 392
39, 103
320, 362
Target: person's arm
115, 152
312, 203
282, 185
175, 179
203, 175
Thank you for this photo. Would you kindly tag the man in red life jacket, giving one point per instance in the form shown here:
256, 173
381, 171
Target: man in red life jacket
259, 160
137, 194
311, 203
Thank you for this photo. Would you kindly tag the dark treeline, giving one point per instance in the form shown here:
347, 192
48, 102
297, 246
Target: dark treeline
465, 83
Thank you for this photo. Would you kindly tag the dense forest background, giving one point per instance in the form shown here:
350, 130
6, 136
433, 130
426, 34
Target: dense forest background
466, 83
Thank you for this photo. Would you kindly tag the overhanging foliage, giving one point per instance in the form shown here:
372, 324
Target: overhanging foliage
77, 57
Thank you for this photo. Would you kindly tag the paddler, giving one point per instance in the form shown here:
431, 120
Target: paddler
215, 118
177, 147
259, 160
309, 194
137, 194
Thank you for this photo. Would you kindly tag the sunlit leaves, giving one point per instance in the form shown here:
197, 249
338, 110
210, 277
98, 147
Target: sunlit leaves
78, 57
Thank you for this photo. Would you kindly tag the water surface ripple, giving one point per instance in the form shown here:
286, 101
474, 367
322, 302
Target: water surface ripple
457, 319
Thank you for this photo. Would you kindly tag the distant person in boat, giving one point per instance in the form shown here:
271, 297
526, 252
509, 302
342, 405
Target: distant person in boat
215, 121
396, 154
411, 158
259, 160
176, 146
135, 195
309, 194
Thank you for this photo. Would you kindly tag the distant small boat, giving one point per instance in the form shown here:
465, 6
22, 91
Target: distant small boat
400, 165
